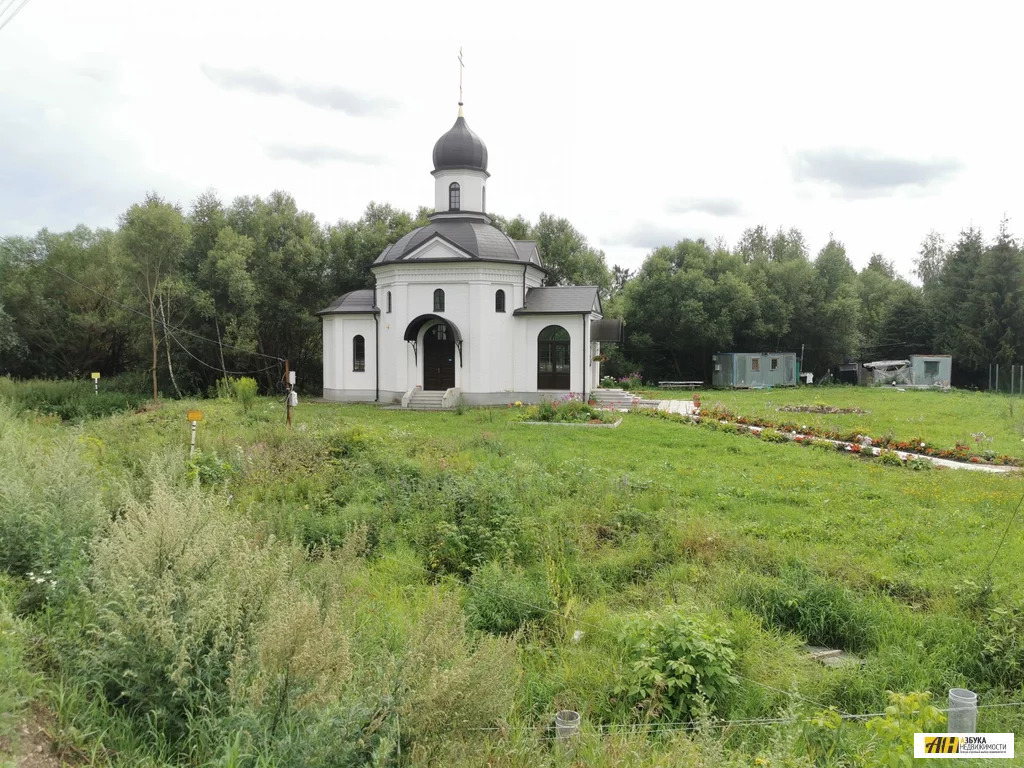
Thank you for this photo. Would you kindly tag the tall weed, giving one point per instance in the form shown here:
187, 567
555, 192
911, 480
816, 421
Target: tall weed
177, 588
50, 501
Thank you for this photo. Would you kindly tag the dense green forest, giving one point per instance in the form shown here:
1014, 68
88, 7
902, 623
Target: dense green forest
232, 289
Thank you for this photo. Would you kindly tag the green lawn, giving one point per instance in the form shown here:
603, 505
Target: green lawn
563, 536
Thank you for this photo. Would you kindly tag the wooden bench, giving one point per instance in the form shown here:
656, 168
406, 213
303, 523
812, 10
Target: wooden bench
680, 384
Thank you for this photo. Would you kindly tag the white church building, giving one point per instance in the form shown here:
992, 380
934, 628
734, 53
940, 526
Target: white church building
460, 310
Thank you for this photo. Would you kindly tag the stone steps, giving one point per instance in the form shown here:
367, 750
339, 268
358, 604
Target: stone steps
613, 398
426, 401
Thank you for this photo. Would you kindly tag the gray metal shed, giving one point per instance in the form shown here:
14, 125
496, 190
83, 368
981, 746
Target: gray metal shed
753, 370
931, 370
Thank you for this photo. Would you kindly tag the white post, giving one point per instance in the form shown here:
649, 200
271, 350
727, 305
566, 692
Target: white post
192, 447
96, 386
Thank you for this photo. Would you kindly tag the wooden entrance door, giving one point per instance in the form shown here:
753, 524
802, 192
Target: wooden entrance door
438, 358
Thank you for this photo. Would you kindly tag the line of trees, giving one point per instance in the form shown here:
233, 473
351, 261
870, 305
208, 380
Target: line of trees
176, 300
692, 299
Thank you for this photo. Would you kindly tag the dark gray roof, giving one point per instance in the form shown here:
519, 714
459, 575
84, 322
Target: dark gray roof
352, 303
477, 238
460, 148
561, 300
527, 250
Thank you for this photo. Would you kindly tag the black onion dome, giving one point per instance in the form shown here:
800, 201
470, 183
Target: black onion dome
460, 148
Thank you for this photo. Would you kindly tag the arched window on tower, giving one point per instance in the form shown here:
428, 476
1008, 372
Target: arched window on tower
499, 301
454, 196
389, 301
439, 300
358, 354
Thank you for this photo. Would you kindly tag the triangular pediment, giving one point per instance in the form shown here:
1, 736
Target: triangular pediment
437, 248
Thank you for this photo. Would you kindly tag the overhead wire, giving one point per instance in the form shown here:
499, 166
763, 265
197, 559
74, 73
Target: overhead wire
217, 367
608, 729
1006, 531
14, 13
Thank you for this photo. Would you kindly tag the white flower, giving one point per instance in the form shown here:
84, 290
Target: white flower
577, 635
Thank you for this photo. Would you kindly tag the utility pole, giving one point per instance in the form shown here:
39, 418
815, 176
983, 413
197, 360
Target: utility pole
287, 394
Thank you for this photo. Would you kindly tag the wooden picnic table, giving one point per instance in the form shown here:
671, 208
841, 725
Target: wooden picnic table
680, 384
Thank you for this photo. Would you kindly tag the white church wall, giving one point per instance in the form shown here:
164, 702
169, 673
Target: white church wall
341, 381
532, 325
471, 189
499, 362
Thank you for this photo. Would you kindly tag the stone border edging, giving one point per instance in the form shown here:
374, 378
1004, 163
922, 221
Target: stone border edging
998, 469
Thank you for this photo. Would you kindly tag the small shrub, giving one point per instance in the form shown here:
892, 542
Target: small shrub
890, 459
207, 468
501, 601
773, 436
919, 465
245, 390
679, 665
224, 388
893, 735
1002, 655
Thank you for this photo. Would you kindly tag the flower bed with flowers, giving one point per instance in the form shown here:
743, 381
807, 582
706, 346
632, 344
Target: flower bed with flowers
961, 451
565, 410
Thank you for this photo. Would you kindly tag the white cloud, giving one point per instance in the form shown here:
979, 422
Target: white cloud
606, 120
326, 97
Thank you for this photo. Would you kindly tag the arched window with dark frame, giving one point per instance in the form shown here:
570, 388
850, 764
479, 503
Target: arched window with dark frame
553, 360
499, 300
358, 354
454, 196
439, 300
389, 301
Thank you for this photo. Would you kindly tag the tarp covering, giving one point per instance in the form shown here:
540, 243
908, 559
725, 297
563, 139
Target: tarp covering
890, 371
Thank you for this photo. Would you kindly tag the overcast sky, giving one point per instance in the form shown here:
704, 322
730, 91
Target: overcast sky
641, 124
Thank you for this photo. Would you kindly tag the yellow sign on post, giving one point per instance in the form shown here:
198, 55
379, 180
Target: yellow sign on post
96, 374
194, 417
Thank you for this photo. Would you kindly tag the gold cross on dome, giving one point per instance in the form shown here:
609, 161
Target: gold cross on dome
462, 66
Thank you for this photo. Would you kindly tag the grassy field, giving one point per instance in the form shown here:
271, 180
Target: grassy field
403, 588
983, 420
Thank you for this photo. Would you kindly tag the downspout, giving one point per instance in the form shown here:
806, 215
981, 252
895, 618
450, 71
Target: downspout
525, 267
376, 356
586, 354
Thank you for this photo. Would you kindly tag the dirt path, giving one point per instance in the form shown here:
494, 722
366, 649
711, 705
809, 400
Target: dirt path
32, 746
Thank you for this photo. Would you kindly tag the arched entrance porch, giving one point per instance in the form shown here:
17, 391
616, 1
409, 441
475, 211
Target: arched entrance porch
441, 340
